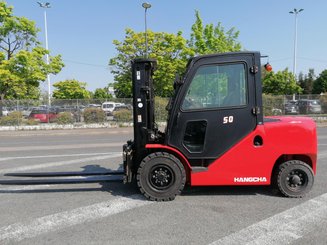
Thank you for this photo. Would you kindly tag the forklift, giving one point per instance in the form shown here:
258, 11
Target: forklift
215, 134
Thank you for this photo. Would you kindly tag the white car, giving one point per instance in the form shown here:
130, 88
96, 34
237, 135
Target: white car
5, 111
109, 106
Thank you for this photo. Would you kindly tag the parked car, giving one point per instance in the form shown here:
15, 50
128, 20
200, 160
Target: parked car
121, 107
43, 115
5, 111
291, 107
276, 111
309, 106
108, 107
93, 106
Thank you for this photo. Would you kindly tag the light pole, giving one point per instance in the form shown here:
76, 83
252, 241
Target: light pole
295, 12
46, 6
146, 6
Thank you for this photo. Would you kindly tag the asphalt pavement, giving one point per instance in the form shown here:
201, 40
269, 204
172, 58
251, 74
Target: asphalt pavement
114, 213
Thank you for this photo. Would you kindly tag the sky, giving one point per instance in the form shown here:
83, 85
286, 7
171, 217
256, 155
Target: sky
83, 31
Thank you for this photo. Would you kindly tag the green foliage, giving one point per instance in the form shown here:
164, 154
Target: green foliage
272, 104
172, 52
306, 81
15, 32
13, 119
320, 84
323, 102
31, 122
280, 83
64, 118
101, 93
212, 39
5, 11
21, 74
161, 114
123, 115
172, 55
70, 89
169, 49
94, 115
22, 64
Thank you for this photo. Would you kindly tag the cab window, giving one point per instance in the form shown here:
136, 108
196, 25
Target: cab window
217, 86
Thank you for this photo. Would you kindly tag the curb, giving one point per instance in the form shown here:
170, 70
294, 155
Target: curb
63, 127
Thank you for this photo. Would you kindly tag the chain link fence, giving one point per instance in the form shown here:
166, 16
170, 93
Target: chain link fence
312, 104
33, 112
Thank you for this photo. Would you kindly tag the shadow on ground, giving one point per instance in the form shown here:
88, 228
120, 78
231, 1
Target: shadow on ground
117, 188
230, 191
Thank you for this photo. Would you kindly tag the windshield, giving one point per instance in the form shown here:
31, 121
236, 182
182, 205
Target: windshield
108, 106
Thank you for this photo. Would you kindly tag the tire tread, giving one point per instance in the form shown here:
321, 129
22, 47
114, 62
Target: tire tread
143, 164
279, 180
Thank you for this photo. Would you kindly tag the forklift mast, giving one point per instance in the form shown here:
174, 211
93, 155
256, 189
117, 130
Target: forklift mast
143, 103
145, 130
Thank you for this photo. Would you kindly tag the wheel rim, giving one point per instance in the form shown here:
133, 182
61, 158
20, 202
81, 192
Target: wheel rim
161, 177
296, 180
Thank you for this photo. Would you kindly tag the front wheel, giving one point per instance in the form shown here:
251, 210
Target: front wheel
161, 176
294, 178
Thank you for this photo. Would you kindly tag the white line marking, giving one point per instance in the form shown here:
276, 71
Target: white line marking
55, 164
53, 156
282, 228
322, 154
28, 229
56, 147
14, 189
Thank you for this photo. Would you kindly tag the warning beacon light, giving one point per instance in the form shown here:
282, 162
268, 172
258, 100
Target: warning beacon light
268, 67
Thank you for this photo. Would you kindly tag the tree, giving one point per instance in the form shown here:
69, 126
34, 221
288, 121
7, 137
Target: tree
320, 84
22, 64
301, 81
280, 83
102, 93
70, 89
170, 50
306, 81
212, 39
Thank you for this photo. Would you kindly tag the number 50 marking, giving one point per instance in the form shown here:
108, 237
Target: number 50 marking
229, 119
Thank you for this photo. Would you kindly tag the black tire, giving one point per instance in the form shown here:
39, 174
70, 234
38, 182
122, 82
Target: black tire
294, 178
161, 176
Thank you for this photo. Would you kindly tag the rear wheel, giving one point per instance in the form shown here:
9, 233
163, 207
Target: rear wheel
294, 178
161, 176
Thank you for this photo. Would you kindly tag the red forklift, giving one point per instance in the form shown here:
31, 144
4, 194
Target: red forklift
216, 134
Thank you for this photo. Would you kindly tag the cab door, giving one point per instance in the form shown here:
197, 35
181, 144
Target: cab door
215, 107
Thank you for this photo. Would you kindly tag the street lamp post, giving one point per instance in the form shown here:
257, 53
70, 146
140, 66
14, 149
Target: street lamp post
295, 12
146, 6
46, 6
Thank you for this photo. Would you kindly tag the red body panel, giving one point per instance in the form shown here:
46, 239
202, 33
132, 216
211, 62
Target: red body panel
170, 149
247, 164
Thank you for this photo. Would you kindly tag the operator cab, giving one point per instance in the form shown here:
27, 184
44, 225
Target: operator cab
215, 105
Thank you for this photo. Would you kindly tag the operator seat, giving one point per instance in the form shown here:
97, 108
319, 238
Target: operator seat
233, 96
